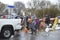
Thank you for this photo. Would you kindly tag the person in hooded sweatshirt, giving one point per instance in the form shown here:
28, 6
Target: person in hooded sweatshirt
27, 23
47, 20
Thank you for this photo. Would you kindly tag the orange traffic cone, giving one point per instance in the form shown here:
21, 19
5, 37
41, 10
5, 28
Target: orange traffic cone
25, 29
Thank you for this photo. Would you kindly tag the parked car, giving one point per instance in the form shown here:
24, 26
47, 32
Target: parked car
8, 26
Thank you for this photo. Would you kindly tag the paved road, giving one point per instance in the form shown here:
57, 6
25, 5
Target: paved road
53, 35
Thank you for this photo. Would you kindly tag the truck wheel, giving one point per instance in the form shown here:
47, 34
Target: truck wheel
6, 33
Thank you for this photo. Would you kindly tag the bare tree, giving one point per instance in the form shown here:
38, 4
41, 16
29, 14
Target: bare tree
59, 4
19, 6
2, 7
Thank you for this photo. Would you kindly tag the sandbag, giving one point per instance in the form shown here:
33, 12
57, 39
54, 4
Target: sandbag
42, 24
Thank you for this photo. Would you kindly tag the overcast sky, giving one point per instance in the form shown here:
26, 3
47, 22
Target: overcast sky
11, 2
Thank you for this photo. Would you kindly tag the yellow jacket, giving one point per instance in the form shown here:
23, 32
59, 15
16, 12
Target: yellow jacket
55, 22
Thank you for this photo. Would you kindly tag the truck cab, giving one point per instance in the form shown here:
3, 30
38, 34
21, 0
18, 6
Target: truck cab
9, 24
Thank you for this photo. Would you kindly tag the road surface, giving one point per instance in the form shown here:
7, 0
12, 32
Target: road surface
53, 35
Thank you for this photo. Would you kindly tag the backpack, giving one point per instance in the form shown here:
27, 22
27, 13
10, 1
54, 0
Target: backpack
37, 21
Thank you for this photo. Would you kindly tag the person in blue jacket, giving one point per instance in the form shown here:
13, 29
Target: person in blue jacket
32, 26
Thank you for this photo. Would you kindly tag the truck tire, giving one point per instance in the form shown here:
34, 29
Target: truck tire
6, 33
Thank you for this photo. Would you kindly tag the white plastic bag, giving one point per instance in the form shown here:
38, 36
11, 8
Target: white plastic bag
47, 29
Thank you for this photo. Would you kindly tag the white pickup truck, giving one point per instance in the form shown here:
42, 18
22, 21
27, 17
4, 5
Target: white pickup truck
8, 26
